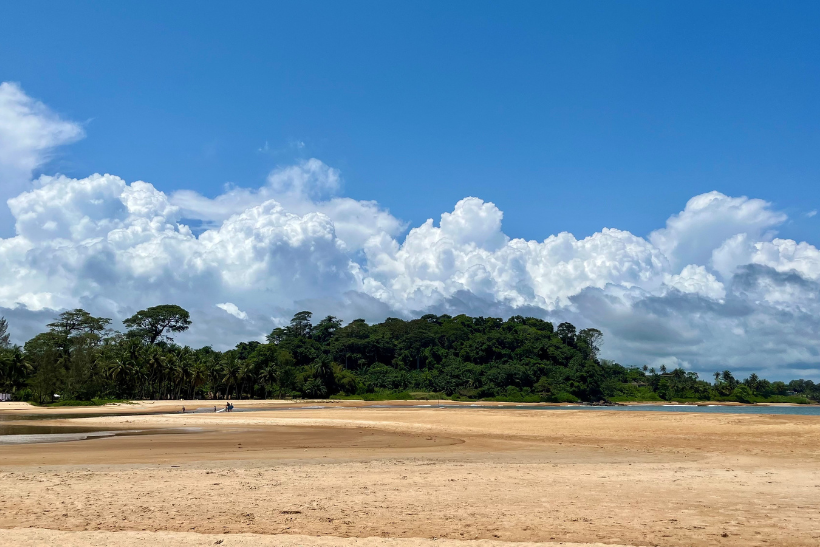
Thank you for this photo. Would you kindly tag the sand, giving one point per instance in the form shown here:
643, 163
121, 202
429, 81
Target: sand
352, 474
35, 536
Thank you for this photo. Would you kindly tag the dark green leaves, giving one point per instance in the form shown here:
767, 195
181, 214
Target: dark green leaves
153, 324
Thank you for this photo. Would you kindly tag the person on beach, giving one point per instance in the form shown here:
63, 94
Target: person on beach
183, 410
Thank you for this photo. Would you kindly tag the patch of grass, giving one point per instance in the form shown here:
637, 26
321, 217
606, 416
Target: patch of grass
378, 396
431, 395
394, 396
628, 393
92, 402
795, 399
515, 399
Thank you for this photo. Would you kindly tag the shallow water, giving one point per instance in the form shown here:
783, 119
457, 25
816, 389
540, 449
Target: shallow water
13, 432
807, 410
802, 410
59, 415
29, 434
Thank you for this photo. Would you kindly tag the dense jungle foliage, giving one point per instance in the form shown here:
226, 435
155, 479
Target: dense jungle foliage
521, 359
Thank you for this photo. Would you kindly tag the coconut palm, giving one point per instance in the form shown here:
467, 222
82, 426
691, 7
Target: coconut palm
230, 370
13, 369
117, 369
267, 376
157, 368
199, 374
323, 372
247, 377
213, 369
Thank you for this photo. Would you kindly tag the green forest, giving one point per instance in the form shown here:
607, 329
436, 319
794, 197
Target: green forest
521, 359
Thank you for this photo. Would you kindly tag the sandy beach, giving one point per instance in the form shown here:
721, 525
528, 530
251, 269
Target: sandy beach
356, 474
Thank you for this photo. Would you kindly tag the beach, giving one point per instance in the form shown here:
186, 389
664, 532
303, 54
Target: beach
354, 473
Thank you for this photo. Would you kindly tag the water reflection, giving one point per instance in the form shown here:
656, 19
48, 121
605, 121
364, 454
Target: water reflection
27, 434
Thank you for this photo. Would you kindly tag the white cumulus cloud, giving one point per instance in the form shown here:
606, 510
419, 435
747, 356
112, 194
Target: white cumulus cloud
708, 220
231, 308
696, 280
468, 251
29, 133
713, 288
310, 186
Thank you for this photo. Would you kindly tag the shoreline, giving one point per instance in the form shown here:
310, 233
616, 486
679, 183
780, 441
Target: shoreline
192, 405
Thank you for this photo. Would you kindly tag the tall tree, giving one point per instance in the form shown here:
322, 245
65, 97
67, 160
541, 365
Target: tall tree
78, 321
153, 324
230, 367
300, 324
13, 369
76, 328
566, 332
326, 328
5, 339
593, 339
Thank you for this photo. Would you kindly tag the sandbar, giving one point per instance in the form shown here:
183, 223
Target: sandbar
356, 474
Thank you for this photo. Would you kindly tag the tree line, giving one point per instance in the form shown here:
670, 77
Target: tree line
79, 358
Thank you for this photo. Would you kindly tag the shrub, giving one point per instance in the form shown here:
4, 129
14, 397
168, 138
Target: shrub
564, 398
743, 394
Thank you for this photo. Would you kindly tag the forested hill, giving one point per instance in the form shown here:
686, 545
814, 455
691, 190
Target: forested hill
518, 359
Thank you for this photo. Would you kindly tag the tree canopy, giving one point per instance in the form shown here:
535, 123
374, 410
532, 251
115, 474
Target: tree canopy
5, 337
154, 323
461, 357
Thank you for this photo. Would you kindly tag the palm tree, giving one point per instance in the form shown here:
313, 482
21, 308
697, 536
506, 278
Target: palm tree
170, 373
323, 371
213, 367
117, 369
130, 353
13, 369
268, 375
230, 369
184, 369
180, 370
156, 366
248, 375
199, 374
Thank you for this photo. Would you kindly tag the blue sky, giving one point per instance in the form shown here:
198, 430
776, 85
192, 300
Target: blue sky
292, 153
568, 115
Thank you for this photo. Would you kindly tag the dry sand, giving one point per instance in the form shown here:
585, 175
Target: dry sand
401, 477
36, 536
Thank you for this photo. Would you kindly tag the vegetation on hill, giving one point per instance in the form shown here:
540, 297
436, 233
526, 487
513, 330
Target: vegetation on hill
522, 359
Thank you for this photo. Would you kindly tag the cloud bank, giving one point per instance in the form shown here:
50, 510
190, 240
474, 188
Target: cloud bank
29, 134
714, 288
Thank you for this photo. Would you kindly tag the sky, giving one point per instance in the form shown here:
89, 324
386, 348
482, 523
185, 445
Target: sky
647, 168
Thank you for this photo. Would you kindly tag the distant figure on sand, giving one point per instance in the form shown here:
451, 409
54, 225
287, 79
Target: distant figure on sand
183, 410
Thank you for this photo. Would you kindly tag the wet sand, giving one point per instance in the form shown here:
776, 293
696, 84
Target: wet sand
404, 476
